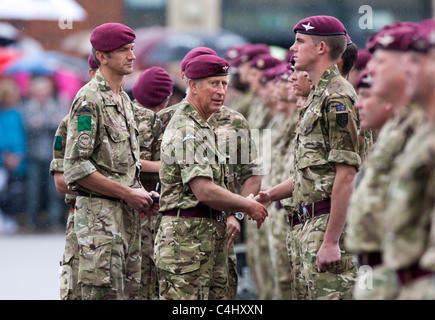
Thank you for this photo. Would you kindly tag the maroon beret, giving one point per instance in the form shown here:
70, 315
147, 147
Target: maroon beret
194, 53
264, 61
91, 62
152, 87
364, 80
206, 66
249, 52
396, 36
362, 58
424, 38
111, 36
320, 26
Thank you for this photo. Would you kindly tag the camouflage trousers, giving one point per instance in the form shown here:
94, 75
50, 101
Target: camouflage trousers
422, 288
377, 283
258, 257
191, 257
280, 263
233, 278
335, 283
149, 288
298, 290
108, 234
68, 283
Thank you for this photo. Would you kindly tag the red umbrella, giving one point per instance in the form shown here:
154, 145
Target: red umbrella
7, 56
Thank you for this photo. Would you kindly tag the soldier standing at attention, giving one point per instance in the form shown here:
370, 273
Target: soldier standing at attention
190, 247
409, 219
102, 165
326, 160
152, 91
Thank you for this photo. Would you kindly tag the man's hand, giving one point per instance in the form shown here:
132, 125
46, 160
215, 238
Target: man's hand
233, 229
139, 199
264, 198
328, 256
154, 208
257, 211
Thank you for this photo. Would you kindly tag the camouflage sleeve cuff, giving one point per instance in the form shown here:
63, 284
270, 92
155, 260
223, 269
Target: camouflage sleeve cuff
56, 165
194, 171
78, 172
347, 157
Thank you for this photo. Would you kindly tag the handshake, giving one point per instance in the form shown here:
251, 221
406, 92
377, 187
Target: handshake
258, 205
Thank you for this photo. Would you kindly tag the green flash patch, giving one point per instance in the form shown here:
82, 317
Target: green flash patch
342, 119
57, 144
84, 123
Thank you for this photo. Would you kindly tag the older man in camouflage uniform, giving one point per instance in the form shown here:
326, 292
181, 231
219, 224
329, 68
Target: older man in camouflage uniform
391, 112
409, 218
190, 249
326, 159
102, 165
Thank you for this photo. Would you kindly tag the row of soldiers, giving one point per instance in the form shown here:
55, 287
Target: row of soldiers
314, 116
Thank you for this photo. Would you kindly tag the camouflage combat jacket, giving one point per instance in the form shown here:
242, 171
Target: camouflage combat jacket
368, 201
56, 165
102, 136
188, 151
234, 141
149, 138
410, 216
326, 134
166, 114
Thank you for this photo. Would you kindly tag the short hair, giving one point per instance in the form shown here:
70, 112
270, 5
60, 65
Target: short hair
95, 57
349, 58
336, 44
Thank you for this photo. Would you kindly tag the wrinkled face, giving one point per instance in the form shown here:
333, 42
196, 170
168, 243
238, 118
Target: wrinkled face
121, 60
304, 51
210, 93
388, 74
373, 112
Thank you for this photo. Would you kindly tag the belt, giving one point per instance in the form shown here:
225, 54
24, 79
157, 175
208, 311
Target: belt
200, 211
407, 275
86, 194
371, 259
309, 211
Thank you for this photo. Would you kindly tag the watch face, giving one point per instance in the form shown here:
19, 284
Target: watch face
239, 215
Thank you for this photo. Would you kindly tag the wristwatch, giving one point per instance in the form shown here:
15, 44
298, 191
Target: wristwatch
238, 215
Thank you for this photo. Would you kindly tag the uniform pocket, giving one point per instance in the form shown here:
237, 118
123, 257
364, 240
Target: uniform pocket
95, 255
117, 151
176, 251
312, 150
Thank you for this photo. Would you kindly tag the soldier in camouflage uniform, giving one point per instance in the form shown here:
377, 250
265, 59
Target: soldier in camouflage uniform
190, 250
409, 218
151, 91
282, 135
325, 161
69, 288
398, 122
102, 165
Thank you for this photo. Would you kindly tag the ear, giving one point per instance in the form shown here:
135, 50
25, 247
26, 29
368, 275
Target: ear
322, 48
193, 85
101, 56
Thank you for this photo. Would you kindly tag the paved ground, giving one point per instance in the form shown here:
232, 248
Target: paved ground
29, 266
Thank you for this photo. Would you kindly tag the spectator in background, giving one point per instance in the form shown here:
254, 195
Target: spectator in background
42, 113
13, 165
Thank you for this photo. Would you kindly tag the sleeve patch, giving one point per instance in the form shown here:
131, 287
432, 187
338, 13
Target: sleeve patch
57, 144
340, 108
84, 123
